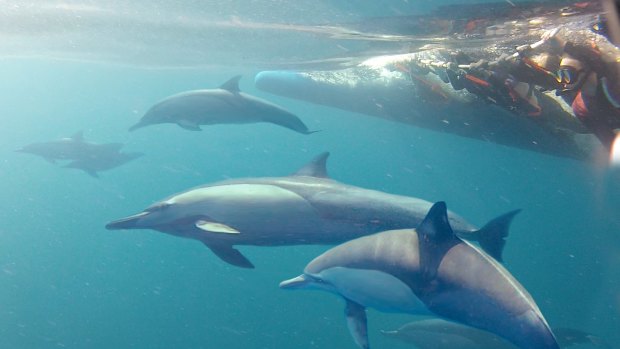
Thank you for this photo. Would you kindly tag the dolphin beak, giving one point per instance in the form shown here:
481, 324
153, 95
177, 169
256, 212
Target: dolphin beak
127, 222
294, 283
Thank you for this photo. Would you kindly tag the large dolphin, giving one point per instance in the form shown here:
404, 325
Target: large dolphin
224, 105
68, 148
435, 333
307, 207
428, 270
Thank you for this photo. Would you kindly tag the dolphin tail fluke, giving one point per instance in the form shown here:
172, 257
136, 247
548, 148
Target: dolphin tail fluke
570, 336
138, 125
492, 237
230, 255
357, 323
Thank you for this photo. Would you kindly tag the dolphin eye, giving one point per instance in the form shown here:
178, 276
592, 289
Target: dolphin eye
158, 207
318, 280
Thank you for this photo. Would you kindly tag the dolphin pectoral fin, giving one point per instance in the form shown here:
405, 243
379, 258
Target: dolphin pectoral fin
78, 136
297, 282
189, 125
435, 238
213, 227
315, 168
92, 173
492, 237
232, 85
357, 323
230, 255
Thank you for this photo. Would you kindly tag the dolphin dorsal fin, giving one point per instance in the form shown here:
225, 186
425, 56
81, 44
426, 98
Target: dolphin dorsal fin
315, 168
78, 136
232, 85
435, 238
436, 225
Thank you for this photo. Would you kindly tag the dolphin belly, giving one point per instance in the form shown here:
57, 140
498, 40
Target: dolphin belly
374, 289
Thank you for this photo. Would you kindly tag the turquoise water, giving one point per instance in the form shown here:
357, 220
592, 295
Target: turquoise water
67, 282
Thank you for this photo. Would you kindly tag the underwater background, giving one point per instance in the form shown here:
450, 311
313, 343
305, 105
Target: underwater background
66, 282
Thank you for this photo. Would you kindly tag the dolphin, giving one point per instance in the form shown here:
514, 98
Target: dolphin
102, 161
307, 207
435, 333
224, 105
428, 270
68, 148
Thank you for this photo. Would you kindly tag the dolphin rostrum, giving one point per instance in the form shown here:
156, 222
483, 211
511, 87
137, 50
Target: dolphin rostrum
307, 207
435, 333
431, 271
224, 105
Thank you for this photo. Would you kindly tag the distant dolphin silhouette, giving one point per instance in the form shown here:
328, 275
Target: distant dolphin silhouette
428, 270
434, 333
224, 105
87, 156
305, 208
69, 148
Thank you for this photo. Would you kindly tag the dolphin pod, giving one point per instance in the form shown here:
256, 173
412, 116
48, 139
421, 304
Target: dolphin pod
428, 270
224, 105
307, 207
